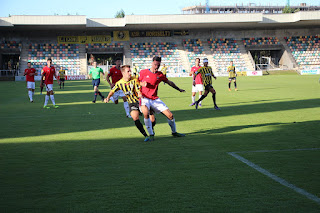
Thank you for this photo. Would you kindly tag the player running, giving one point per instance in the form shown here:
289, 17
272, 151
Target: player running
95, 73
149, 80
62, 75
131, 87
30, 73
232, 75
116, 75
198, 87
48, 72
206, 73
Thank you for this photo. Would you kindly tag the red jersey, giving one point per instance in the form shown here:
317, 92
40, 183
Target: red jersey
153, 80
115, 74
198, 77
29, 71
48, 73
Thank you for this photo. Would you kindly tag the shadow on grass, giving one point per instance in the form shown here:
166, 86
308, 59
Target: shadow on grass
167, 175
85, 117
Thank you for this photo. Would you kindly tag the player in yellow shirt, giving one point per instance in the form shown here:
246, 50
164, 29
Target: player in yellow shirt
207, 75
164, 71
132, 89
62, 75
232, 75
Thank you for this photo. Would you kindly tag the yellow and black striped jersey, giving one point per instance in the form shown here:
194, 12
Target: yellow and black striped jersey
206, 73
62, 73
232, 71
130, 89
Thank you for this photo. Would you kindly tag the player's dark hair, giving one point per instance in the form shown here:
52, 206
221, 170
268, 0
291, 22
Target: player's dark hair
29, 62
198, 59
49, 59
118, 59
156, 58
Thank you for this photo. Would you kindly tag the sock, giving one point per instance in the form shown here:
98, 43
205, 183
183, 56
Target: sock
235, 85
46, 99
41, 89
193, 99
95, 96
148, 124
52, 99
202, 97
172, 124
100, 94
126, 107
140, 127
63, 85
60, 85
199, 98
214, 99
229, 84
154, 123
30, 95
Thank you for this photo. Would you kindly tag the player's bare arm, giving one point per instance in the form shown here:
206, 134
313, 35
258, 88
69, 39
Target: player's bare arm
56, 76
107, 99
173, 85
109, 82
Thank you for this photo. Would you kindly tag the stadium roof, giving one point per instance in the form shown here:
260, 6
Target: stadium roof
144, 22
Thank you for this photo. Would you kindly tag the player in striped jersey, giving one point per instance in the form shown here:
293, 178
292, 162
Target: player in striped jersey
206, 73
131, 88
232, 75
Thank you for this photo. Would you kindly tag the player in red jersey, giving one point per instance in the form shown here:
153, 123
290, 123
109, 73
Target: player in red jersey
116, 75
150, 79
198, 87
30, 73
48, 72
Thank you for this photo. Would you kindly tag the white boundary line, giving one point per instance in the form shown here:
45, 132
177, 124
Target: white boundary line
274, 177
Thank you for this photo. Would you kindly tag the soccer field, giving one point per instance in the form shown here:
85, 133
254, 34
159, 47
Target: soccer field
85, 157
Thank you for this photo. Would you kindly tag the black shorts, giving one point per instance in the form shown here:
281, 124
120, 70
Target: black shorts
62, 79
96, 82
134, 106
208, 87
233, 78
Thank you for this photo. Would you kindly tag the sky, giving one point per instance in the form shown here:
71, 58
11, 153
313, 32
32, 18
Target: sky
108, 8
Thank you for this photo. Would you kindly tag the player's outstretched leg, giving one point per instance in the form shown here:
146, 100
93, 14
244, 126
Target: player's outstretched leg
229, 85
235, 86
172, 123
214, 99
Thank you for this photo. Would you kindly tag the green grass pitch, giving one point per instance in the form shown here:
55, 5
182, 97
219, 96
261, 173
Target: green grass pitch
86, 157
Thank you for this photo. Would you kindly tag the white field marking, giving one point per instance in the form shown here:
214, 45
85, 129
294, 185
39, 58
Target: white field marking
274, 177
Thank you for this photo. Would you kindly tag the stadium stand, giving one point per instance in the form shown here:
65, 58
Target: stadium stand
226, 50
66, 55
10, 45
260, 41
194, 48
305, 49
142, 53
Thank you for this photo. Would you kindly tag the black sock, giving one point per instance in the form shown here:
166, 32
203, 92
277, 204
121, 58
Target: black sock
140, 127
214, 99
60, 85
41, 89
95, 96
63, 85
235, 85
229, 84
202, 97
154, 123
100, 94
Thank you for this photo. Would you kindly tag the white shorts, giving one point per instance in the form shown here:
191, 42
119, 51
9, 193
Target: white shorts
118, 94
31, 85
49, 87
197, 88
156, 105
